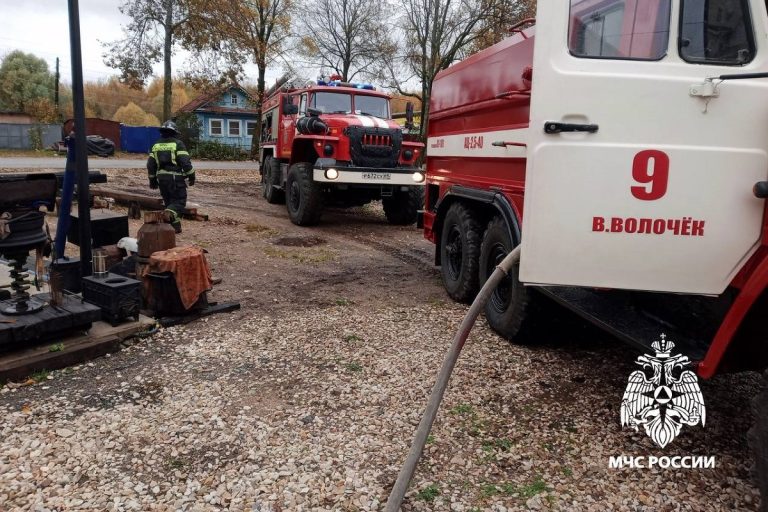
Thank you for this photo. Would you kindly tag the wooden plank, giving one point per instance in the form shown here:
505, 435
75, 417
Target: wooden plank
102, 339
212, 309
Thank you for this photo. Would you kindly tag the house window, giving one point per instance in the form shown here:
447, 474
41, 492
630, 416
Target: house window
216, 127
233, 99
233, 128
250, 127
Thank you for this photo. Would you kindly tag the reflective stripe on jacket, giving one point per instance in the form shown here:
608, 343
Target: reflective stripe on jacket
169, 156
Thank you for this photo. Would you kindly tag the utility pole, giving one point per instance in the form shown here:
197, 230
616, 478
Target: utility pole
56, 90
81, 150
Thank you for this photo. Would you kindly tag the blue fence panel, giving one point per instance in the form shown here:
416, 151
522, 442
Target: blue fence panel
138, 139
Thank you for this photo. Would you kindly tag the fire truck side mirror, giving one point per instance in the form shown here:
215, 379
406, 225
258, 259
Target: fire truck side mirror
289, 109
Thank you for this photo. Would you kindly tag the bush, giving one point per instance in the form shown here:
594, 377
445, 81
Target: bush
214, 150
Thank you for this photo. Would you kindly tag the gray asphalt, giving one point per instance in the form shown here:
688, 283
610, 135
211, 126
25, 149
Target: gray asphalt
57, 163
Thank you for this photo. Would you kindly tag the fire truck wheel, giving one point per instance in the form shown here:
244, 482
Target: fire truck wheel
403, 207
304, 197
758, 442
459, 253
270, 193
508, 311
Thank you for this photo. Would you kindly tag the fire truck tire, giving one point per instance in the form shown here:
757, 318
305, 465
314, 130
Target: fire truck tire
403, 207
270, 193
510, 307
304, 197
460, 253
758, 442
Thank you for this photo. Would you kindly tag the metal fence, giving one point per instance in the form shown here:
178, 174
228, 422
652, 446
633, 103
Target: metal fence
28, 136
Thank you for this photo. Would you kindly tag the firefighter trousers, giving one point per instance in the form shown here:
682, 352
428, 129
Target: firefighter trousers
173, 188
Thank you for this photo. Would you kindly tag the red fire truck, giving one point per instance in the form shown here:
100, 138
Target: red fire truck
335, 144
628, 152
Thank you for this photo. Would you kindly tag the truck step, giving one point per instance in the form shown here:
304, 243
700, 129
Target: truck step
615, 312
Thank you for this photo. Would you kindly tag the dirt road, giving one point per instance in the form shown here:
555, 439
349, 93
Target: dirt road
308, 397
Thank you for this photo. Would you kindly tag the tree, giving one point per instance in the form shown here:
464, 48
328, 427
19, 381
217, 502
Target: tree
155, 27
434, 33
24, 79
133, 115
500, 15
236, 30
347, 36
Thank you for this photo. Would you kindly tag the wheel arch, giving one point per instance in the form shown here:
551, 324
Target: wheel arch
486, 203
303, 151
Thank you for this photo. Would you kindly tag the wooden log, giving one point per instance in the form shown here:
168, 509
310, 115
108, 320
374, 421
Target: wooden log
144, 201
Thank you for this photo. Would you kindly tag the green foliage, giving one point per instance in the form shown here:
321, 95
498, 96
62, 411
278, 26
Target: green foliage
56, 347
36, 138
40, 376
429, 493
214, 150
23, 79
189, 126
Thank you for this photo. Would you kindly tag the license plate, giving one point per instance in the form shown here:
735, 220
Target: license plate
377, 176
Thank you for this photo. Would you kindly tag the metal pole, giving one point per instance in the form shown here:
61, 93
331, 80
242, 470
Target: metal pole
81, 150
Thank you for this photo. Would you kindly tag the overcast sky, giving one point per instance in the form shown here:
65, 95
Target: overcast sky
41, 27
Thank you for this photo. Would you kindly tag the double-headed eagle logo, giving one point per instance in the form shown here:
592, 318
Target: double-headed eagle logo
662, 397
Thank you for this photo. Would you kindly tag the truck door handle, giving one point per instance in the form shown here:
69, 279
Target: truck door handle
555, 127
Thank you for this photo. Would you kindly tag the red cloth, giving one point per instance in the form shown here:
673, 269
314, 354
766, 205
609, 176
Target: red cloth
190, 270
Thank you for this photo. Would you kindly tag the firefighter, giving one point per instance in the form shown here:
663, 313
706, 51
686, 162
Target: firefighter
169, 166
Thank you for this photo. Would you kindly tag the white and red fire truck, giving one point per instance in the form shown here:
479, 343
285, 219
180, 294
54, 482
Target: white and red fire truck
335, 144
627, 150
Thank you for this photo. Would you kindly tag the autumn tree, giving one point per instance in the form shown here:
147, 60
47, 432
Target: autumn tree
500, 16
434, 34
24, 79
155, 27
344, 36
237, 31
133, 115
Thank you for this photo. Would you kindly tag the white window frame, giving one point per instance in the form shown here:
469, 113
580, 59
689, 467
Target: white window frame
210, 128
233, 99
230, 123
247, 123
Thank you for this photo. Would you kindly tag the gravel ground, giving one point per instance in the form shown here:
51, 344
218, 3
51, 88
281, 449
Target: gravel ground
307, 398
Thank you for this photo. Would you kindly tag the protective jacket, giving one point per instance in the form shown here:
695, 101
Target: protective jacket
169, 156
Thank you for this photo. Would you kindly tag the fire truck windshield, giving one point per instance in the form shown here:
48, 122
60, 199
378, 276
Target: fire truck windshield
341, 103
372, 106
332, 102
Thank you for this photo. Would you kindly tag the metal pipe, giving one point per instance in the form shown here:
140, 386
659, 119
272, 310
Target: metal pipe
81, 149
422, 432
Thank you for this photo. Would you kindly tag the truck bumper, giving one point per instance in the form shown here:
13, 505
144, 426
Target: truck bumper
370, 176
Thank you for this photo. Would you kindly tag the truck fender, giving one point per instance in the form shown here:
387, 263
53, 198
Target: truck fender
749, 294
303, 151
486, 203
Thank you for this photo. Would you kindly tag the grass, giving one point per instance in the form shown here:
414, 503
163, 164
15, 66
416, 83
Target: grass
353, 338
343, 302
429, 493
56, 347
430, 439
176, 463
307, 255
524, 492
463, 409
353, 367
40, 376
261, 230
567, 471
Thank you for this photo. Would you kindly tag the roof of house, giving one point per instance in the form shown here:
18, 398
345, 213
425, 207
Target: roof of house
201, 103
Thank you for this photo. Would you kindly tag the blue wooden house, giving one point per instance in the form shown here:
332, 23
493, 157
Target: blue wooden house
226, 116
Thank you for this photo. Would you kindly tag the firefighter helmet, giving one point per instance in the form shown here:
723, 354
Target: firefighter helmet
169, 127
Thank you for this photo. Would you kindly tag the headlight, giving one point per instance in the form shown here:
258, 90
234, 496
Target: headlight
418, 177
331, 174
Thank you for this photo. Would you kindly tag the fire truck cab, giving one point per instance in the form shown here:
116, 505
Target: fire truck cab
624, 144
335, 144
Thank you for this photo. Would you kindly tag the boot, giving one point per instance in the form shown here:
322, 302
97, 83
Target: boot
176, 227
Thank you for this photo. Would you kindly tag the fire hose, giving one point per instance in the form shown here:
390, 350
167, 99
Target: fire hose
422, 432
